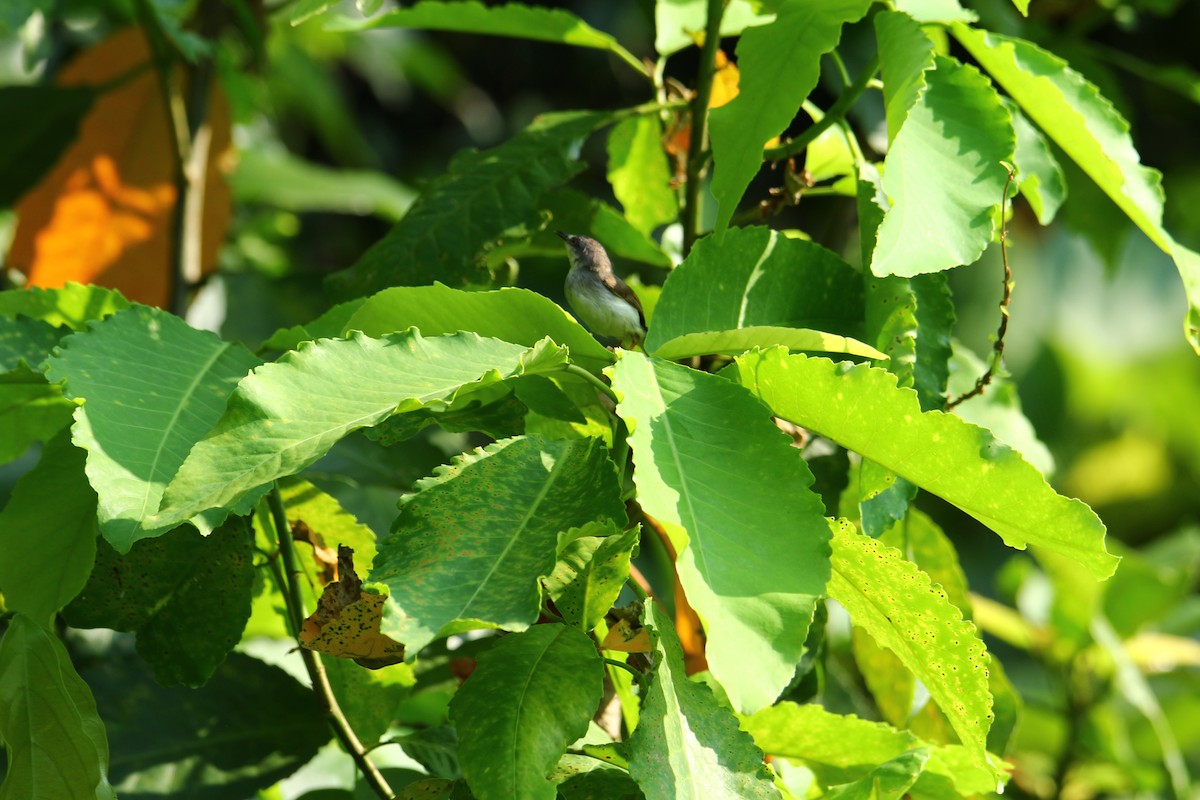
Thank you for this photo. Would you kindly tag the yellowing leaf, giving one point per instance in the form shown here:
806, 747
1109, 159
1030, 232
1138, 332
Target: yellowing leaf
346, 622
725, 81
103, 214
625, 637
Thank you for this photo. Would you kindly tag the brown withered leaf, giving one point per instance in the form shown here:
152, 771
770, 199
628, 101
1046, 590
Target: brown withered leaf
323, 555
346, 622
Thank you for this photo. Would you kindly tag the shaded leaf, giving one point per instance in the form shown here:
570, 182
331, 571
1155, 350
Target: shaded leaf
639, 173
25, 341
138, 423
103, 213
48, 533
370, 698
957, 461
1073, 113
286, 415
458, 216
31, 410
575, 212
897, 604
590, 573
779, 63
528, 699
1039, 176
686, 744
186, 595
757, 277
50, 118
346, 621
510, 19
54, 739
469, 547
587, 778
891, 780
435, 749
733, 496
250, 726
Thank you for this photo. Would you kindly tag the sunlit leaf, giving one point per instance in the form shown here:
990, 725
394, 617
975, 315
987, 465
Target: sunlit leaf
678, 23
891, 780
54, 739
710, 465
905, 56
779, 64
573, 211
103, 213
469, 548
1039, 176
528, 699
862, 409
735, 342
286, 415
639, 173
346, 621
590, 573
73, 305
686, 744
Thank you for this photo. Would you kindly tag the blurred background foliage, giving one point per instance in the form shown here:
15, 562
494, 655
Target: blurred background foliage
336, 132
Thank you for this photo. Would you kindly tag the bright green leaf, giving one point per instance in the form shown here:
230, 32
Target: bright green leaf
482, 197
943, 175
905, 56
73, 305
186, 595
330, 325
1072, 112
31, 410
686, 744
639, 173
286, 415
528, 699
925, 544
590, 573
469, 547
49, 118
678, 23
891, 780
48, 533
510, 19
779, 65
941, 11
574, 212
862, 409
757, 277
735, 342
1039, 176
903, 611
55, 741
277, 178
139, 420
733, 496
840, 749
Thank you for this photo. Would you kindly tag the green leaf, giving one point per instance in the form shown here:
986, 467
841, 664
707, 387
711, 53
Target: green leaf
73, 305
943, 175
575, 212
840, 749
590, 573
1073, 113
905, 56
26, 341
54, 739
435, 749
941, 11
186, 595
903, 611
49, 121
469, 547
678, 23
514, 315
1039, 176
286, 415
587, 778
277, 178
31, 410
639, 173
528, 699
686, 744
779, 65
330, 325
510, 19
48, 533
138, 421
736, 342
476, 203
891, 780
925, 544
250, 726
862, 409
368, 697
757, 277
733, 496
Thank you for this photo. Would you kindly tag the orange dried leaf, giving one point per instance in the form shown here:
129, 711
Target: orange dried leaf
625, 637
103, 214
346, 622
725, 81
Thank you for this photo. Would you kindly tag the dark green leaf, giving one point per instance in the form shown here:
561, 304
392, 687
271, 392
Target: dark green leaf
468, 549
528, 699
42, 122
186, 595
31, 410
435, 749
26, 341
470, 208
589, 575
55, 741
48, 533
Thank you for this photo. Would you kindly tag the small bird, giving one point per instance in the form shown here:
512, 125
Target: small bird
600, 298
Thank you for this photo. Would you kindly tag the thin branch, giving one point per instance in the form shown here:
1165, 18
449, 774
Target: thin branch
998, 348
639, 677
312, 661
599, 385
697, 143
834, 115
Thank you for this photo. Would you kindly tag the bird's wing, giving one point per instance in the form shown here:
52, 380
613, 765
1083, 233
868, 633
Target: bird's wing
625, 293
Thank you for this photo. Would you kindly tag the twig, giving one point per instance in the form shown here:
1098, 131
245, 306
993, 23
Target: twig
998, 348
696, 142
312, 662
600, 385
639, 677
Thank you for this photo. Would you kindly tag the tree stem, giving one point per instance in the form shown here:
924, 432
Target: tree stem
312, 661
698, 144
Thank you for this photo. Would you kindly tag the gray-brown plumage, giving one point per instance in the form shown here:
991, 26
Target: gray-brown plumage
603, 301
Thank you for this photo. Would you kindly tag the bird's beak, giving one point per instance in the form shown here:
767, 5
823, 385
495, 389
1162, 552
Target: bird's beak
565, 237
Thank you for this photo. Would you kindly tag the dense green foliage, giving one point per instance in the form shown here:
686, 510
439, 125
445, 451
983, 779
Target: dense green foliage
772, 553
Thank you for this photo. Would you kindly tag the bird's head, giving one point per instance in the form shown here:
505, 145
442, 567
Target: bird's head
585, 252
